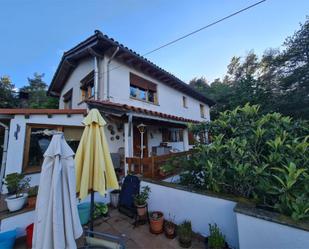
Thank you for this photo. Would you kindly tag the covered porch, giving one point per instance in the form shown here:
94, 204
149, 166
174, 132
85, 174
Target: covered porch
149, 138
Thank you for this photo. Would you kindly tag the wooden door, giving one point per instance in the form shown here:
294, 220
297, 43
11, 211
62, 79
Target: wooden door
137, 143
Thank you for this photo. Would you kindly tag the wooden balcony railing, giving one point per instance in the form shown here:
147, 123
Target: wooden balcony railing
149, 167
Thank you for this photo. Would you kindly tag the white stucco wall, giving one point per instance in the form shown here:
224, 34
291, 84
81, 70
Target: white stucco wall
257, 233
169, 99
18, 222
84, 67
199, 209
16, 147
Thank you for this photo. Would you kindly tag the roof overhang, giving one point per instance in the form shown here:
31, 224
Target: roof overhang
122, 110
100, 45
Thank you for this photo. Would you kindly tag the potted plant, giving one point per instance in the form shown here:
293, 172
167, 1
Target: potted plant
156, 219
115, 197
170, 228
185, 234
16, 183
216, 239
140, 200
100, 209
32, 194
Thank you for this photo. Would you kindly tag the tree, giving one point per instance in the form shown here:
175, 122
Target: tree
278, 81
7, 98
294, 74
37, 90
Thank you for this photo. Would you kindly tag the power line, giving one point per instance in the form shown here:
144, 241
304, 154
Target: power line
198, 30
205, 27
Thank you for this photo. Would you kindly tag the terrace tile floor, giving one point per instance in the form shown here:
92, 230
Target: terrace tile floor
136, 238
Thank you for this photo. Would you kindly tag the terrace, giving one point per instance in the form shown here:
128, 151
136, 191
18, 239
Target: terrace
134, 237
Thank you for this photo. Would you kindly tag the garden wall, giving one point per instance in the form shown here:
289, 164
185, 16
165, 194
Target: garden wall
200, 209
261, 229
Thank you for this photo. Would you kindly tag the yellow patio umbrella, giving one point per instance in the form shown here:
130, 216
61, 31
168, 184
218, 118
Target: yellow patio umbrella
94, 166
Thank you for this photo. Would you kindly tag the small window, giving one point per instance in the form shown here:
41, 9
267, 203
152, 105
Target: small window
67, 99
143, 89
87, 86
184, 101
37, 140
202, 111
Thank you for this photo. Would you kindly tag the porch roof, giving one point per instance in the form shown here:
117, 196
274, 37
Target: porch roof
124, 108
7, 111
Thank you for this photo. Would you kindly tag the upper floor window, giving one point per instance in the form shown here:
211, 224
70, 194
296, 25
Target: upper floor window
87, 86
202, 111
184, 102
143, 89
67, 99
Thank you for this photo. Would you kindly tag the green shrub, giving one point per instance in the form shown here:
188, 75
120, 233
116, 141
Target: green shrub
216, 239
142, 197
16, 183
184, 231
261, 157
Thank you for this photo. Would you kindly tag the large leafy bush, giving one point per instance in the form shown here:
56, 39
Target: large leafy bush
261, 157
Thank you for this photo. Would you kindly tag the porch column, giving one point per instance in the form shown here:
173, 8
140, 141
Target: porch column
185, 139
128, 144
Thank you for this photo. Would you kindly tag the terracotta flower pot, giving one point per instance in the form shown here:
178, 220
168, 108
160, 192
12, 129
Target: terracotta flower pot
31, 201
156, 222
169, 230
141, 209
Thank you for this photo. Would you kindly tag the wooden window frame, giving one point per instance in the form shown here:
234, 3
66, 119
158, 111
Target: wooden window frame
184, 101
29, 126
202, 111
68, 98
87, 84
142, 84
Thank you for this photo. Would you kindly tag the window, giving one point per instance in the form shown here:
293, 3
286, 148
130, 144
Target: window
67, 99
37, 140
172, 135
202, 111
143, 89
184, 101
87, 86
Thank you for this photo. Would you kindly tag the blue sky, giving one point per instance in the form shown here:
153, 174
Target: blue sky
34, 34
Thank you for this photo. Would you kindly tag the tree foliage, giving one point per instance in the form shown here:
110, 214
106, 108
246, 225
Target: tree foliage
35, 94
278, 81
260, 157
6, 93
37, 90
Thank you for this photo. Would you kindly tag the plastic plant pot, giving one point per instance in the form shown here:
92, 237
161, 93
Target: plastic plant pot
84, 212
7, 239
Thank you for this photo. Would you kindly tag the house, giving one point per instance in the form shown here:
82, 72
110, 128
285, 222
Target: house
133, 94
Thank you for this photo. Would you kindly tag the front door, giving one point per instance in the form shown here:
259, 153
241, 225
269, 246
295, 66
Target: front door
137, 143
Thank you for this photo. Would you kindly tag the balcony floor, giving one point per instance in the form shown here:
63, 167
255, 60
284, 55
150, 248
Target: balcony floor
139, 237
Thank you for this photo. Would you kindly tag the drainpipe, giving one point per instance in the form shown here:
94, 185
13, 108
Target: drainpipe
108, 64
96, 78
4, 153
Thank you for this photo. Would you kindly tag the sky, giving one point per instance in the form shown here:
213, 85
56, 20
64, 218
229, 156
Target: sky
35, 33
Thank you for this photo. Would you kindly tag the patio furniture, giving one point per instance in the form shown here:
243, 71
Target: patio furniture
129, 189
102, 240
141, 219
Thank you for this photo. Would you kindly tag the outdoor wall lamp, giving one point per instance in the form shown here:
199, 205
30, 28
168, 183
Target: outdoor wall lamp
141, 127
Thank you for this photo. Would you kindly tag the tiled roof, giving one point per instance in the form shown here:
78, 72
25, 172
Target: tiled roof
129, 108
101, 44
41, 111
